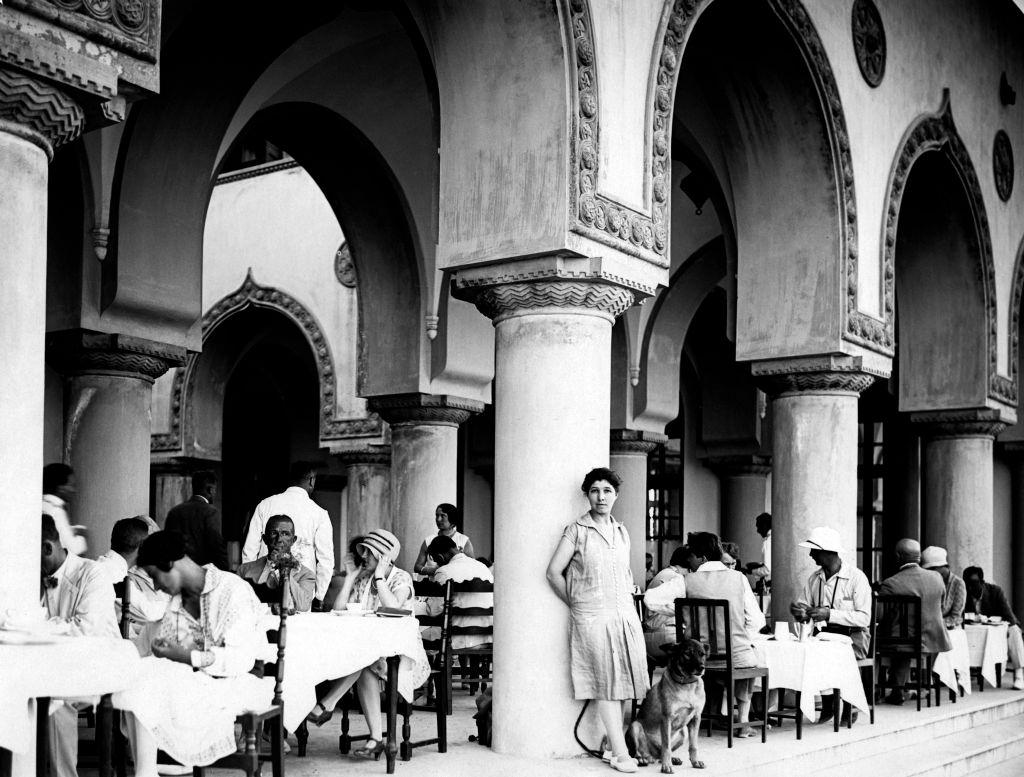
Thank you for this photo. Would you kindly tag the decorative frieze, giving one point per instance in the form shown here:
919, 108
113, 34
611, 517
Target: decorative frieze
625, 442
955, 424
130, 26
80, 352
345, 268
416, 409
371, 455
38, 111
833, 374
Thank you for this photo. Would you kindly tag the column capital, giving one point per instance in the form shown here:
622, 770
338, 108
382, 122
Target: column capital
740, 464
37, 111
81, 352
625, 442
370, 455
415, 409
950, 424
827, 374
581, 285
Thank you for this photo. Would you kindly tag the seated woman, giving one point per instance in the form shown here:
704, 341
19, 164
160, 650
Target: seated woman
449, 522
211, 624
377, 583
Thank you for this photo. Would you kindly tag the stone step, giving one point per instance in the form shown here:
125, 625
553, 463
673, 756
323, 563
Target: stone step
984, 729
1012, 767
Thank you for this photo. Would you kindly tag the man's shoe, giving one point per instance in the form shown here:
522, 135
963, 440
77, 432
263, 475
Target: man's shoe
828, 707
848, 711
895, 698
1018, 680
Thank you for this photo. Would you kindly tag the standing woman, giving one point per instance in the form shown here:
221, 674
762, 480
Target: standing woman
449, 524
590, 573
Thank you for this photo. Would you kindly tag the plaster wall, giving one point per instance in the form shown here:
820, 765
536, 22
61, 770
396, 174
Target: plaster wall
931, 45
478, 513
53, 417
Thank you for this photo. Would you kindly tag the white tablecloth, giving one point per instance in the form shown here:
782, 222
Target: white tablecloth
70, 667
987, 647
953, 666
811, 667
322, 646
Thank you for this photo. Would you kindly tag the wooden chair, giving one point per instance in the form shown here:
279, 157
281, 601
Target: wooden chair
438, 702
123, 590
868, 665
708, 621
481, 655
254, 722
898, 637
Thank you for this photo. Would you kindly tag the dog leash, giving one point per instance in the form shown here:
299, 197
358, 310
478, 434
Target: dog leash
576, 732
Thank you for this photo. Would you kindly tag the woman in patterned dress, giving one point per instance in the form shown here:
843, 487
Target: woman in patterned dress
377, 583
590, 572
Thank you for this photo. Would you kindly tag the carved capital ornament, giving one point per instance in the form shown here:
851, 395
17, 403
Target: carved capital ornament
424, 409
38, 111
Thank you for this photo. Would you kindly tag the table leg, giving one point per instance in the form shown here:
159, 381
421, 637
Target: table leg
391, 749
104, 735
43, 736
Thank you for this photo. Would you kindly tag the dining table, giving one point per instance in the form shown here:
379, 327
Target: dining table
40, 668
329, 645
811, 666
987, 649
953, 666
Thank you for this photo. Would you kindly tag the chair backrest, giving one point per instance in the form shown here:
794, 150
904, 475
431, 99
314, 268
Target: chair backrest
899, 623
872, 625
440, 620
123, 591
707, 621
457, 610
638, 602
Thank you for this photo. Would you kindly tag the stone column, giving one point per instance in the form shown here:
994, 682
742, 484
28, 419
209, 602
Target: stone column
34, 118
368, 494
628, 457
814, 461
107, 425
552, 321
957, 487
424, 461
744, 496
1015, 452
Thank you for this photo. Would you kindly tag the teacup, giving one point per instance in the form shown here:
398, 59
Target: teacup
995, 618
782, 631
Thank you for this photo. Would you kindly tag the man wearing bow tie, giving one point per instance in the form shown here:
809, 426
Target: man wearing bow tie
75, 591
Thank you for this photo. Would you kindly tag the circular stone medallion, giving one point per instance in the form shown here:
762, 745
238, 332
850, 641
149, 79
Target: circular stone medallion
1002, 165
869, 41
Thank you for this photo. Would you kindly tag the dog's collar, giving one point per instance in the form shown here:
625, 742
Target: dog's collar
693, 678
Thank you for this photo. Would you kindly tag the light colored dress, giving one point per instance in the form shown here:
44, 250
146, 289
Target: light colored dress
606, 642
363, 593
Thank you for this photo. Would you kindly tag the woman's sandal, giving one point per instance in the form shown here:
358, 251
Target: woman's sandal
370, 752
319, 718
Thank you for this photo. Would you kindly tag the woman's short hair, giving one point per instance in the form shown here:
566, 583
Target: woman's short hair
601, 473
705, 544
161, 549
353, 549
454, 514
679, 556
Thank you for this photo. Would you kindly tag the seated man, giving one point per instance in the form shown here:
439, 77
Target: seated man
836, 598
934, 558
264, 574
988, 599
146, 605
911, 580
713, 580
77, 592
659, 626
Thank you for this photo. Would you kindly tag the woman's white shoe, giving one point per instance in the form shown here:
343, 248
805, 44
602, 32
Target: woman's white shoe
624, 763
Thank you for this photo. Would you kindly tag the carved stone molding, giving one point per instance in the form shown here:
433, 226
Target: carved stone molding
498, 302
1010, 385
372, 455
131, 26
633, 442
814, 375
345, 268
79, 352
954, 424
1002, 165
739, 465
937, 132
417, 409
868, 41
37, 111
252, 294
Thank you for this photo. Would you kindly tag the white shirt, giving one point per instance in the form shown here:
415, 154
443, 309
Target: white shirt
146, 604
766, 551
56, 507
83, 598
314, 535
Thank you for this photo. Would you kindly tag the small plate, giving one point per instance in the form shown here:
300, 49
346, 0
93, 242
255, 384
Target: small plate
390, 615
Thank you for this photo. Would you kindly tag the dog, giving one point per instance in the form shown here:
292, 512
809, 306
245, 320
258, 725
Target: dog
670, 713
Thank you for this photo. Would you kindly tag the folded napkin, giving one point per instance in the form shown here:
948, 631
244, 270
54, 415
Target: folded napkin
828, 636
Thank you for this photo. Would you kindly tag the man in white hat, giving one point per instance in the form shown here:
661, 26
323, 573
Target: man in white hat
836, 598
934, 558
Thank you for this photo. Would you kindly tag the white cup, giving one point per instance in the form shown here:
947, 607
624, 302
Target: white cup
995, 618
782, 631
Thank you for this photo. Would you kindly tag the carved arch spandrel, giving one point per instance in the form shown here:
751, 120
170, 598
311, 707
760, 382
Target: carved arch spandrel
937, 132
252, 294
1016, 295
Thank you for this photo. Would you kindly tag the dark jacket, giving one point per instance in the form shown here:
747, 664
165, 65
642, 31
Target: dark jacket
912, 580
992, 602
198, 522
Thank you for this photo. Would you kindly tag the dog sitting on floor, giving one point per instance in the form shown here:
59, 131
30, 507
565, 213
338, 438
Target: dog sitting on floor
670, 714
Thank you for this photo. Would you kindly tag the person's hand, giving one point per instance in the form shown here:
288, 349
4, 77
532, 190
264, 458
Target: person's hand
818, 613
351, 567
798, 611
163, 648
